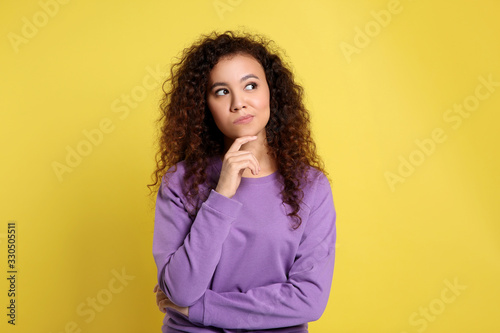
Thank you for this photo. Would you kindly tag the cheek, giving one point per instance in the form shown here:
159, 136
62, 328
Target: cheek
264, 99
263, 102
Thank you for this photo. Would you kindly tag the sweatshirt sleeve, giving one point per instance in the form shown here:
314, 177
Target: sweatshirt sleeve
187, 252
302, 298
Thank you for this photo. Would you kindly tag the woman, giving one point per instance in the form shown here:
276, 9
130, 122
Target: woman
245, 228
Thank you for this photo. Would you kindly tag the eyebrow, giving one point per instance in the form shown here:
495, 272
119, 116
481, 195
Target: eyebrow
246, 77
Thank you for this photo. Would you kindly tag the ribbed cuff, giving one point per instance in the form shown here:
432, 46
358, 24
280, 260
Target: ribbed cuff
223, 204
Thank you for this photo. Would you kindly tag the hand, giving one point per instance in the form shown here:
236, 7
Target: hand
234, 163
163, 302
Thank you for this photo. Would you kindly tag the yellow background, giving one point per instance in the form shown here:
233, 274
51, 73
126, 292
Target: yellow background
399, 246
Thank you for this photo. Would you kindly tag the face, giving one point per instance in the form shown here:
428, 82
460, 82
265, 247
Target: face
238, 97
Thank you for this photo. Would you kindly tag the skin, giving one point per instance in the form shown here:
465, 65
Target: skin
237, 87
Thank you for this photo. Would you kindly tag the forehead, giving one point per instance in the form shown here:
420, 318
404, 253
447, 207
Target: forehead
233, 67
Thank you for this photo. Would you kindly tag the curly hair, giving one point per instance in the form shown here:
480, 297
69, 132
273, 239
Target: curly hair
188, 131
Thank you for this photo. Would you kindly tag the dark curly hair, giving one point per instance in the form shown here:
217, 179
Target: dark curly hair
188, 131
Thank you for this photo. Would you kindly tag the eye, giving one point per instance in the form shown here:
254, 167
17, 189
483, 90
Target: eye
221, 92
252, 86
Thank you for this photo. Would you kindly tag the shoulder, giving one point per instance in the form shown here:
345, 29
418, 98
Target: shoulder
175, 176
171, 183
316, 187
176, 171
315, 178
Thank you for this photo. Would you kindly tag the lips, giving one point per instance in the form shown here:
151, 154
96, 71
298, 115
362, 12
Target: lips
243, 120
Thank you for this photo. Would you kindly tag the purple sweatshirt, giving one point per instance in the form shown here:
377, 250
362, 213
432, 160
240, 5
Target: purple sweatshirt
239, 265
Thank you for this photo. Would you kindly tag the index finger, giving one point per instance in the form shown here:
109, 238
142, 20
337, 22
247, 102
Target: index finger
240, 142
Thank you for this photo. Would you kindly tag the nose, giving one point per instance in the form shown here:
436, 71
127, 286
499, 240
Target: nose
237, 102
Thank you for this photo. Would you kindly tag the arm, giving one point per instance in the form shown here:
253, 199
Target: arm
302, 298
187, 252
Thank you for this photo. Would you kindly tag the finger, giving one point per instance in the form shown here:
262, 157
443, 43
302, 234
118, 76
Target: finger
250, 164
240, 142
245, 160
156, 288
163, 305
240, 156
160, 297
